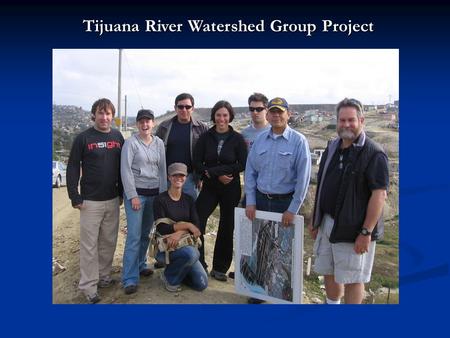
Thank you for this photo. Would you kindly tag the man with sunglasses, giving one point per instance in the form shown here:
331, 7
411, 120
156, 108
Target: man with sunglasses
257, 105
180, 135
278, 168
347, 220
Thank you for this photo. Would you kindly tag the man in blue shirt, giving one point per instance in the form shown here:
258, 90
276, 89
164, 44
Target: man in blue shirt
278, 168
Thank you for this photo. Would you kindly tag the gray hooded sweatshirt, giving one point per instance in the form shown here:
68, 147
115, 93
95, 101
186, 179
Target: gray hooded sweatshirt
143, 166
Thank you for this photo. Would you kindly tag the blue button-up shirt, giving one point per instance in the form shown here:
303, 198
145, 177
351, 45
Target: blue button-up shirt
279, 164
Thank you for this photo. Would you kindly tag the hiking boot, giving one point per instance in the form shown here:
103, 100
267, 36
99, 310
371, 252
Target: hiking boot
93, 299
146, 272
106, 283
129, 289
170, 287
220, 276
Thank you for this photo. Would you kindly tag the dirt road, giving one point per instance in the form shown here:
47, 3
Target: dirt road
151, 291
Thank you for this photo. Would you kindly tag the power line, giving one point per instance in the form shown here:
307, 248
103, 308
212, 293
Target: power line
133, 80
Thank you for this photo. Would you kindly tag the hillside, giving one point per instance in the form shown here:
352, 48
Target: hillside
204, 114
385, 272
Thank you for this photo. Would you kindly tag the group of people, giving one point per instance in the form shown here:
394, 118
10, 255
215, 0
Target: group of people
178, 175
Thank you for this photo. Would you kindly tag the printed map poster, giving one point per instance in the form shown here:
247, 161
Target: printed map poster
268, 257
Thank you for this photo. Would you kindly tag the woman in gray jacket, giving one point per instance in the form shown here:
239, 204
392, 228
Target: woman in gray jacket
143, 172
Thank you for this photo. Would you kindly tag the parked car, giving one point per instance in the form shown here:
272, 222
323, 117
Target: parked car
59, 174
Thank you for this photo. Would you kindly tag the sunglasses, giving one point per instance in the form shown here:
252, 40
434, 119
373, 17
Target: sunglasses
181, 107
258, 109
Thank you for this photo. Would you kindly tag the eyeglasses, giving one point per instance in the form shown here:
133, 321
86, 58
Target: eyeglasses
181, 107
258, 109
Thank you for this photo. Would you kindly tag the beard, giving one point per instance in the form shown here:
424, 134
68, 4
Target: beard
347, 134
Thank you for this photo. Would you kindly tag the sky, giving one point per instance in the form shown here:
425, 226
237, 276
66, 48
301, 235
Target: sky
152, 78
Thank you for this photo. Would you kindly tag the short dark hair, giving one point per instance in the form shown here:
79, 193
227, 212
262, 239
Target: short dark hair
102, 104
184, 96
258, 97
350, 103
222, 104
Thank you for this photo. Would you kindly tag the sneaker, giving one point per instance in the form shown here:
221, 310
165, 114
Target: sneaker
146, 272
106, 283
170, 287
158, 265
255, 301
93, 299
220, 276
129, 289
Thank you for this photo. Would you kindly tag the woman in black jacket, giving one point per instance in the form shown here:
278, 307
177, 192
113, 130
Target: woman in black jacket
219, 157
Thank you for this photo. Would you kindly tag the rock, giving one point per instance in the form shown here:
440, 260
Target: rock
57, 267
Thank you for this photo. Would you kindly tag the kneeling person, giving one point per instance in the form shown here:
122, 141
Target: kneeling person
184, 266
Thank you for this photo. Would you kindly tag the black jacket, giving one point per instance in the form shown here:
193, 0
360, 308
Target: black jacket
354, 192
231, 160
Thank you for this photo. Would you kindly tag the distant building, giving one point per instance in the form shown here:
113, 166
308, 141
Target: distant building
381, 109
315, 118
311, 112
370, 108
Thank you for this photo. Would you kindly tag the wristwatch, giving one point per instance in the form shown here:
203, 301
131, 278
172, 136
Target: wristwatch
365, 232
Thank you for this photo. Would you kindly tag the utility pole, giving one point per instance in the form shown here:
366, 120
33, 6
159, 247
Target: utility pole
119, 92
125, 122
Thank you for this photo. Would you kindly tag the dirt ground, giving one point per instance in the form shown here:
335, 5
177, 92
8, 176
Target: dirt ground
66, 274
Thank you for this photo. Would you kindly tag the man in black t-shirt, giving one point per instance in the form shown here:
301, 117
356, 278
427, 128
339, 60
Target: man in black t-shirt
95, 155
351, 189
180, 134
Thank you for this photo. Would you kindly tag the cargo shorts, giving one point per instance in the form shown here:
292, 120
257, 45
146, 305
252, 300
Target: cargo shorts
340, 259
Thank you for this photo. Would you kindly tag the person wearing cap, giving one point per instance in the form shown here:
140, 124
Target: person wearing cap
174, 204
220, 156
180, 135
143, 170
278, 168
352, 182
96, 152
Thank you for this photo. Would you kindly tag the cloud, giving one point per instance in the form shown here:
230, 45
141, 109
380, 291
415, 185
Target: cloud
152, 78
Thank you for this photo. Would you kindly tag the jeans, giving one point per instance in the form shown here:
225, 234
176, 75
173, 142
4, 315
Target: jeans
263, 203
185, 268
139, 223
189, 186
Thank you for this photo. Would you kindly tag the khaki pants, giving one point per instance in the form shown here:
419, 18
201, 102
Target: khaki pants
99, 226
340, 259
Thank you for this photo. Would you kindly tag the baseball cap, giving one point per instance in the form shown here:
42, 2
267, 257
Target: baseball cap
279, 103
177, 168
145, 113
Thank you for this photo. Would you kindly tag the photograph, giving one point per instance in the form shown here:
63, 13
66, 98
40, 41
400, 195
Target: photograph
269, 256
